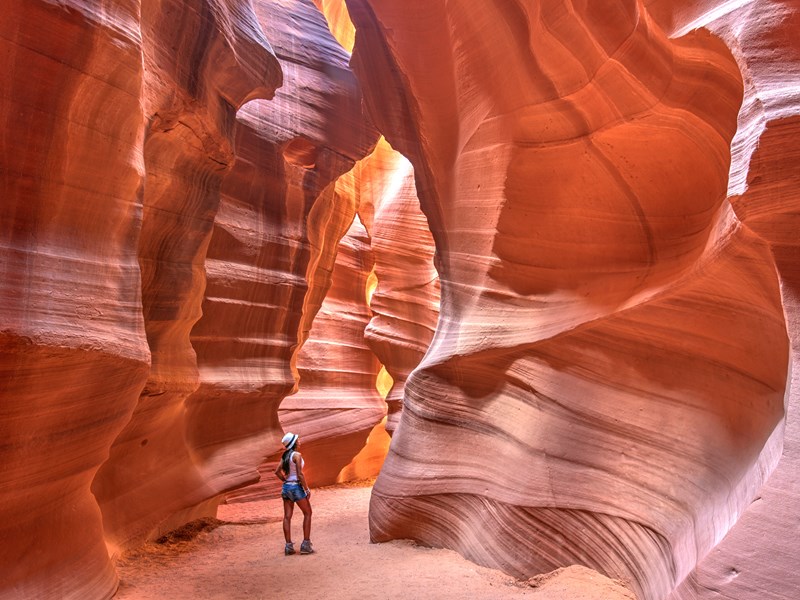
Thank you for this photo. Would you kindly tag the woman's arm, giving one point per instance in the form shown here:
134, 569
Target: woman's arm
298, 460
279, 473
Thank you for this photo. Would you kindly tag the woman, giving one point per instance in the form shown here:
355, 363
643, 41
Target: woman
295, 489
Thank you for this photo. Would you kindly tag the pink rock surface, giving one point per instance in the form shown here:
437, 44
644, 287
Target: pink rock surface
337, 404
120, 125
202, 62
756, 559
274, 245
611, 357
613, 196
405, 302
334, 370
73, 353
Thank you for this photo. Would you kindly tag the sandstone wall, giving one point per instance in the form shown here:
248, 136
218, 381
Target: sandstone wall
272, 254
405, 302
756, 559
74, 354
613, 197
338, 404
142, 360
606, 382
201, 63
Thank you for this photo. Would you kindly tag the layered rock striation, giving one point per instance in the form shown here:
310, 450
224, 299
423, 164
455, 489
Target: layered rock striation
609, 367
154, 296
276, 240
267, 256
755, 560
386, 282
600, 369
405, 301
74, 353
338, 404
201, 64
272, 255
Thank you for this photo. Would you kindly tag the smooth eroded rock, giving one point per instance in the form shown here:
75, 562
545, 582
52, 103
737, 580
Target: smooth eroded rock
591, 394
74, 355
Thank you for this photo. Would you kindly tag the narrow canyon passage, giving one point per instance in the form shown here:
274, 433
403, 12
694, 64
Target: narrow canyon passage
242, 559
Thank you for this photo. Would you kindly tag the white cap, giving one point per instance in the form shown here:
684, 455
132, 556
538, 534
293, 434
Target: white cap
289, 439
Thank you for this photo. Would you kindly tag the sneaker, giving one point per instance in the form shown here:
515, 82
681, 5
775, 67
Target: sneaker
289, 549
305, 547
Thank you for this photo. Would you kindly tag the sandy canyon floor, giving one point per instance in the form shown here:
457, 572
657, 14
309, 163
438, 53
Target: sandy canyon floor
240, 556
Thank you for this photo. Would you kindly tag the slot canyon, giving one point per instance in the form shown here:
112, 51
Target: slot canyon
531, 265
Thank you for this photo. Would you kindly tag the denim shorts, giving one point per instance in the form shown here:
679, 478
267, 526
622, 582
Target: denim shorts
293, 491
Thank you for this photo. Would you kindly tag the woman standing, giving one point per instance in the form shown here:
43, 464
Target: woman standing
295, 489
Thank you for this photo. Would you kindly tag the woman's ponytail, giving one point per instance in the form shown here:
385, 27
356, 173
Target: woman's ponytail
287, 455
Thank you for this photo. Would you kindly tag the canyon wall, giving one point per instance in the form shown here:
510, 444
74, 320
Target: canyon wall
155, 296
405, 302
600, 368
272, 254
118, 162
756, 559
74, 353
381, 310
201, 63
338, 404
606, 382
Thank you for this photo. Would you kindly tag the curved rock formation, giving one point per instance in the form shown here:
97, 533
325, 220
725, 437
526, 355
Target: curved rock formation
119, 121
202, 62
368, 462
339, 22
337, 405
613, 197
611, 358
406, 299
756, 559
273, 248
231, 359
74, 355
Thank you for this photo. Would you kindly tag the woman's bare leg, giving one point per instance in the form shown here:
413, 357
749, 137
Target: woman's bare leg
288, 509
305, 506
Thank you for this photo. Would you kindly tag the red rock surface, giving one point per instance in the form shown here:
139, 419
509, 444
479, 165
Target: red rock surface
271, 273
755, 560
405, 301
613, 197
74, 353
120, 129
338, 404
200, 65
611, 357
